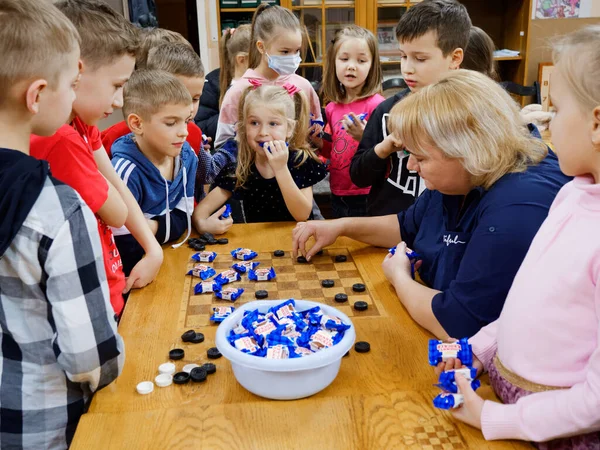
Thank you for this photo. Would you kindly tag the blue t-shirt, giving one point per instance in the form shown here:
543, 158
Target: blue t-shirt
472, 251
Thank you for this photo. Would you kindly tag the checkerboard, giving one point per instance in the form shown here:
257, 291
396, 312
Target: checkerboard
294, 280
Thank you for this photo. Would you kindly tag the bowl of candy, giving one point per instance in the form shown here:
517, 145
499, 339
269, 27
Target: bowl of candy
285, 350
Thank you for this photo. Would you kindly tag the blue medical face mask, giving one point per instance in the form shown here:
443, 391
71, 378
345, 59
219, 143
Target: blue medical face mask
284, 65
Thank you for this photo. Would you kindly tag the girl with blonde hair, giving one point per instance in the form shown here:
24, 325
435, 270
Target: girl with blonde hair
543, 353
276, 168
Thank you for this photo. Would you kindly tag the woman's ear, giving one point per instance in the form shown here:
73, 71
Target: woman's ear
135, 124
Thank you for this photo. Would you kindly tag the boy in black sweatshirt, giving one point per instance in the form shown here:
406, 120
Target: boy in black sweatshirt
432, 37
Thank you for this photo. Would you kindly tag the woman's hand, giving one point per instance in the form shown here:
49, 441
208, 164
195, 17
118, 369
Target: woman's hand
354, 126
397, 267
277, 153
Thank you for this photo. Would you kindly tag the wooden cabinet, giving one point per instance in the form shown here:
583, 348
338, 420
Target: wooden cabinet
506, 21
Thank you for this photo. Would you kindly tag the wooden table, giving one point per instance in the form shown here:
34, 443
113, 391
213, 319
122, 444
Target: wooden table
380, 400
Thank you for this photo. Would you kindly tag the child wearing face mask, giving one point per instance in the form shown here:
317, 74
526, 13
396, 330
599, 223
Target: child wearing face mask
274, 58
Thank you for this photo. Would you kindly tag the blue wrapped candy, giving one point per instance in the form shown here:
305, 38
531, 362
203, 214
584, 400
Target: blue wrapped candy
247, 343
284, 309
361, 117
227, 212
448, 401
244, 254
205, 256
441, 351
245, 266
202, 271
412, 257
228, 276
261, 274
220, 313
206, 286
230, 293
279, 352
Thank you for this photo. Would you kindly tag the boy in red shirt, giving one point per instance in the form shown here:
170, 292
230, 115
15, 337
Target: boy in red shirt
76, 154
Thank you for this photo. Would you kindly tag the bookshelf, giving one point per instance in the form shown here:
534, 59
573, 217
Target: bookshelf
508, 22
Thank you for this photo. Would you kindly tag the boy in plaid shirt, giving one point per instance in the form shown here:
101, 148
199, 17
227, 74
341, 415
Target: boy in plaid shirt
59, 341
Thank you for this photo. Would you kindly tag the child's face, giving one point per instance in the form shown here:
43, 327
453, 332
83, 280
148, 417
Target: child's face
56, 103
284, 43
194, 85
423, 62
353, 62
571, 129
166, 131
100, 91
263, 125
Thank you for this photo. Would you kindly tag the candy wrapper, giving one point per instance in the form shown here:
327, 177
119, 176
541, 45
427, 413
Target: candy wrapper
202, 271
244, 254
448, 401
247, 343
227, 212
285, 309
440, 351
245, 266
204, 256
412, 257
220, 313
279, 352
261, 274
361, 117
206, 286
231, 294
228, 276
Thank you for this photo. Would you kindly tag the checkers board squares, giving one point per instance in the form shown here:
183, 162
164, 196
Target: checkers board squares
294, 280
438, 436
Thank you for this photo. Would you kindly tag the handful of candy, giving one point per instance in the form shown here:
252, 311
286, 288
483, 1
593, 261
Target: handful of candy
284, 333
412, 257
441, 351
244, 254
361, 117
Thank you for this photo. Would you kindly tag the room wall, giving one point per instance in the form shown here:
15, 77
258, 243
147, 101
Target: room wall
541, 32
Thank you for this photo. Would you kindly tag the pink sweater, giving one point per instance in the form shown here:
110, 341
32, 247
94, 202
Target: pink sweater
549, 329
343, 147
228, 115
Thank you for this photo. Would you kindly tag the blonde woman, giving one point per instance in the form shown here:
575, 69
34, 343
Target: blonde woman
489, 187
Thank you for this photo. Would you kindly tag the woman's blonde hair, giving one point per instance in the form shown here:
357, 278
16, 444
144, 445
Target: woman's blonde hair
577, 56
468, 116
233, 42
332, 87
292, 107
265, 21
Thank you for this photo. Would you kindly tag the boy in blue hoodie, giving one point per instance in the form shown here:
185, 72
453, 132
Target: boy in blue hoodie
154, 160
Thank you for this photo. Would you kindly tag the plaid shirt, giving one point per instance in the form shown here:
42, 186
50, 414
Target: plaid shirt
59, 341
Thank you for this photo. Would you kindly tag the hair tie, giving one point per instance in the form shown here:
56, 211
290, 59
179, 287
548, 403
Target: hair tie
255, 83
291, 88
232, 31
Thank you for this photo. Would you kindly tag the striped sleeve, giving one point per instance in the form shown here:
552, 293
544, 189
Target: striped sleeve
125, 169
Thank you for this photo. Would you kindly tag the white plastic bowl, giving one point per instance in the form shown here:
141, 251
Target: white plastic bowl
284, 379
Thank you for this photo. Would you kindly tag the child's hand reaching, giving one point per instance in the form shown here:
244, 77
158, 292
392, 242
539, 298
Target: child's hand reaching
455, 363
277, 153
388, 146
214, 224
354, 126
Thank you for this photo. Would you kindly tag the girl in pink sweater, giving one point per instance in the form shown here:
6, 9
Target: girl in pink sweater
543, 353
352, 83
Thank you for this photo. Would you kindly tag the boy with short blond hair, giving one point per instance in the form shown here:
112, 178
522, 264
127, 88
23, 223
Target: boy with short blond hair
50, 253
432, 37
155, 158
153, 37
75, 152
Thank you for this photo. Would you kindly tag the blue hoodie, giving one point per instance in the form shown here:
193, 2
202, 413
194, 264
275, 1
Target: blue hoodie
149, 188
